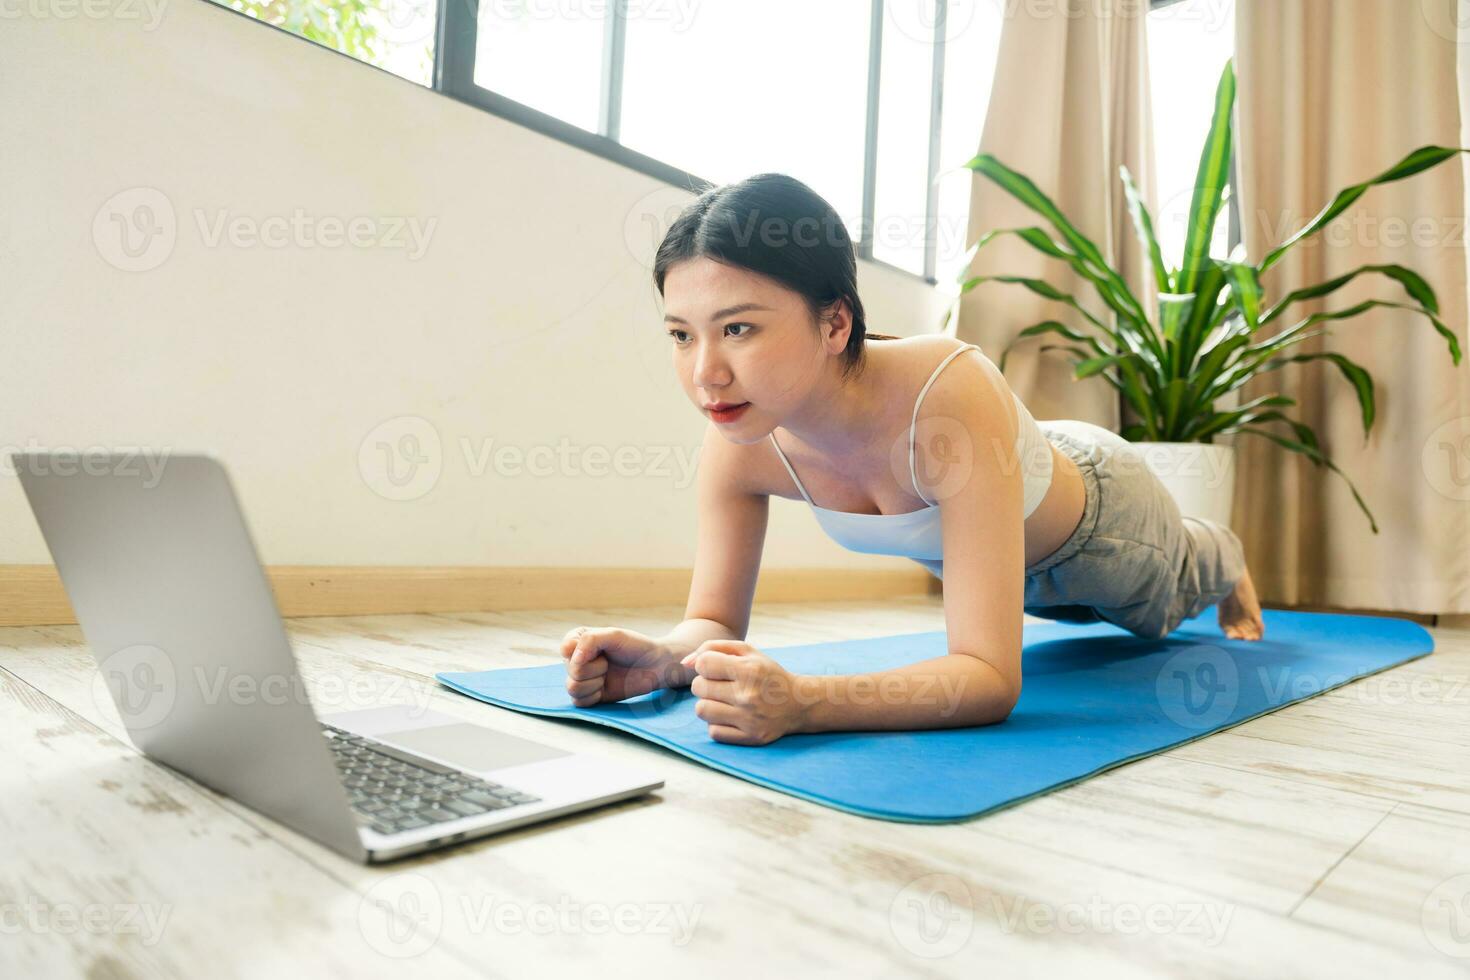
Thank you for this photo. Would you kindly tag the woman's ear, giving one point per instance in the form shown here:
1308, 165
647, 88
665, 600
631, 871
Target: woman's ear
836, 321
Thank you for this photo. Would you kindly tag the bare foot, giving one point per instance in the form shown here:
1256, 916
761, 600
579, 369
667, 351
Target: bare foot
1240, 612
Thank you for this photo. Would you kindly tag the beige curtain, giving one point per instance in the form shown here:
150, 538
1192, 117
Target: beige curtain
1332, 92
1069, 104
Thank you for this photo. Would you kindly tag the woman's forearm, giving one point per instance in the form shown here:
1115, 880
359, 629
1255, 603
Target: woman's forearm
952, 691
686, 638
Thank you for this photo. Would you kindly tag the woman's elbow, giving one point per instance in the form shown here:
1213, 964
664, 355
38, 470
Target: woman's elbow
994, 697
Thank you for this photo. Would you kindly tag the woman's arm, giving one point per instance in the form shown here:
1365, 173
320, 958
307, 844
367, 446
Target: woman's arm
966, 461
953, 691
730, 536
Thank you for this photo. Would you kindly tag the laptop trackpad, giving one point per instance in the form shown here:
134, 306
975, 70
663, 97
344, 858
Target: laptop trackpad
472, 747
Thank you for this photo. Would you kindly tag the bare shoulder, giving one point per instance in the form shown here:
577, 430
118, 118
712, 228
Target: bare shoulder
970, 388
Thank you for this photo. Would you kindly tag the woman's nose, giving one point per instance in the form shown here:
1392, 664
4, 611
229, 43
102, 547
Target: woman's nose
710, 370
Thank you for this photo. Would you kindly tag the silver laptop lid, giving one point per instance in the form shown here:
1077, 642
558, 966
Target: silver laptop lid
171, 597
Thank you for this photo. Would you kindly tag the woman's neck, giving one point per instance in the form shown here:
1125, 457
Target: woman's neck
846, 420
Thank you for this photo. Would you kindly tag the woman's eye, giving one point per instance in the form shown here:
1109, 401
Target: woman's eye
746, 325
678, 335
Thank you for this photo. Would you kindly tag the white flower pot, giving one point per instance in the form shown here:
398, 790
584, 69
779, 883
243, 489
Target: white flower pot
1200, 476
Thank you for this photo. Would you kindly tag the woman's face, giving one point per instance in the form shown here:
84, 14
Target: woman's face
742, 339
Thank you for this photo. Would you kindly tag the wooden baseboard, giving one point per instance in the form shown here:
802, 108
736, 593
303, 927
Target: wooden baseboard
1423, 619
32, 595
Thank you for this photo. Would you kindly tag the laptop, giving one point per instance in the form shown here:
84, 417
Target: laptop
171, 597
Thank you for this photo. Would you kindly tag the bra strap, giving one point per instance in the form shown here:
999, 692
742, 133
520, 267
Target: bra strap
913, 425
794, 478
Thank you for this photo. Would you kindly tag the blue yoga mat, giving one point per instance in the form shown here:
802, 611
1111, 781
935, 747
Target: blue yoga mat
1094, 696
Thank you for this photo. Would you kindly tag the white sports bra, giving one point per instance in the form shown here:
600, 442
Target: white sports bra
916, 534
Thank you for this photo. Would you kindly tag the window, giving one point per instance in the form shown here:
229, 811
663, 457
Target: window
865, 101
1189, 42
847, 96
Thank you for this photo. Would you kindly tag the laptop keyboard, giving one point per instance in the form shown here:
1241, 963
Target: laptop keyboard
392, 790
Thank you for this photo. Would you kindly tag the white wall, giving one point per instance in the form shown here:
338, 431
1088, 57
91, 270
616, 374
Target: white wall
529, 318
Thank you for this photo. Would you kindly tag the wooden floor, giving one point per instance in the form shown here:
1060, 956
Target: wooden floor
1331, 837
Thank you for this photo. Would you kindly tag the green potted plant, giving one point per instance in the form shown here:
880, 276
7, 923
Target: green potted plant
1201, 344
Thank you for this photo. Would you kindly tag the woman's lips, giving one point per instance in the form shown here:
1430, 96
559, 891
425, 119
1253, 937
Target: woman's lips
728, 414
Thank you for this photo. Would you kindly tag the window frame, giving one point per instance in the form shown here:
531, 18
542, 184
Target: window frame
455, 31
454, 73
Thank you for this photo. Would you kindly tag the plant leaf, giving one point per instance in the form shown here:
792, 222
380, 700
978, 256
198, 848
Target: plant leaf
1218, 421
1123, 340
1417, 161
1042, 242
1360, 379
1049, 326
1316, 456
1209, 184
1144, 225
1412, 282
1022, 189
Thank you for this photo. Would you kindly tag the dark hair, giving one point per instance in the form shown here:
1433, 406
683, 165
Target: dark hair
779, 227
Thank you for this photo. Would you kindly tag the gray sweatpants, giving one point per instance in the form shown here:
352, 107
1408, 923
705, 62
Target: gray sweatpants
1133, 560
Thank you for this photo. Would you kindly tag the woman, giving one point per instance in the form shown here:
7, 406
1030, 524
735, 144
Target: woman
914, 447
